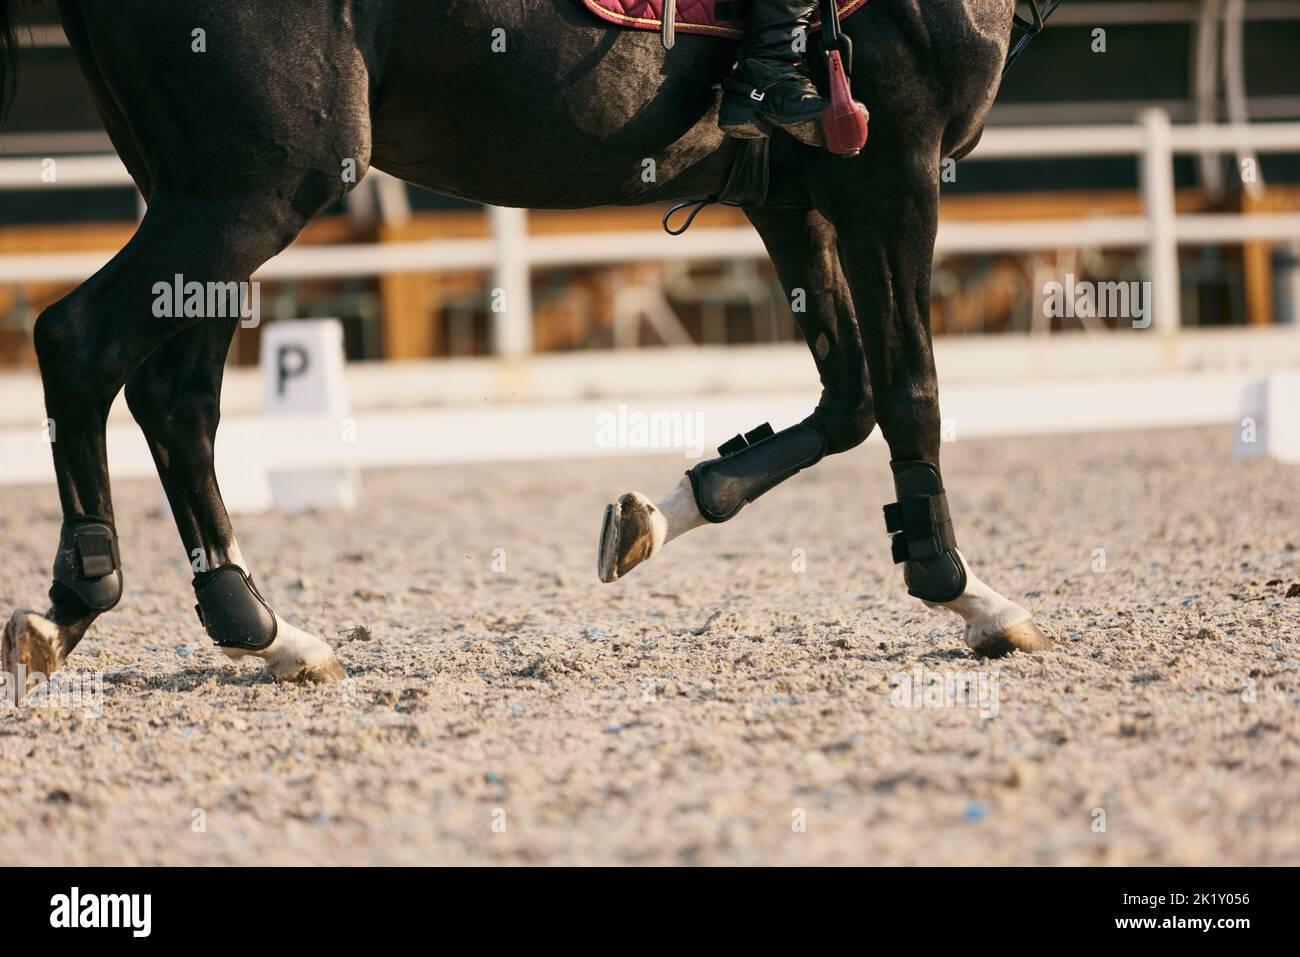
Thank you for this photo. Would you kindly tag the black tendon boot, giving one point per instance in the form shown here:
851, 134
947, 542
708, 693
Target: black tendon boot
923, 540
770, 86
87, 570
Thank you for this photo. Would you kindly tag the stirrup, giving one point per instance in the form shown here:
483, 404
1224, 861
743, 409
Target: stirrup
844, 122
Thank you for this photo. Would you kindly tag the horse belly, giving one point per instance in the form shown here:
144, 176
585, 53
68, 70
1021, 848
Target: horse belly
545, 107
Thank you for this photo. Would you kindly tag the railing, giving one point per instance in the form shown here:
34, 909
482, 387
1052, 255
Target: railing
511, 252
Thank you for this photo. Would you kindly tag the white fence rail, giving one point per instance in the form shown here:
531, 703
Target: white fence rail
511, 253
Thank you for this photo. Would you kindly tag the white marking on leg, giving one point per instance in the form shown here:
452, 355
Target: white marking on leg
980, 606
237, 557
294, 654
994, 624
635, 529
680, 513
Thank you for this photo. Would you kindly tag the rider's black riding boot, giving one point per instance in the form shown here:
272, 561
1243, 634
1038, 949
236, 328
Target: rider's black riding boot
770, 86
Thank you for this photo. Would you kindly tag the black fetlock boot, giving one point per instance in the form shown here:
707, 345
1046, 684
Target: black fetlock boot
770, 86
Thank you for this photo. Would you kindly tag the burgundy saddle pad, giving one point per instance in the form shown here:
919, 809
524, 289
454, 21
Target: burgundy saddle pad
716, 18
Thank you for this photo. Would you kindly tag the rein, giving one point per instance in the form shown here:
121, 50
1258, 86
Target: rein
1039, 11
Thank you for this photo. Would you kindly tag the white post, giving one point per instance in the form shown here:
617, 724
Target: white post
1158, 200
1205, 81
390, 192
1234, 88
511, 301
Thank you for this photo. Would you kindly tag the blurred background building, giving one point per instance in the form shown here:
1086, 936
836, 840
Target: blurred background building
1204, 61
1135, 140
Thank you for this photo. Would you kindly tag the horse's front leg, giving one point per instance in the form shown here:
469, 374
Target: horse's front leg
886, 223
802, 247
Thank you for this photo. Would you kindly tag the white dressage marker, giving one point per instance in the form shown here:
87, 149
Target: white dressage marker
1270, 419
302, 375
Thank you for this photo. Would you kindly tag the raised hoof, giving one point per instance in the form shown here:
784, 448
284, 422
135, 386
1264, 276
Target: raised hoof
32, 641
627, 536
1022, 636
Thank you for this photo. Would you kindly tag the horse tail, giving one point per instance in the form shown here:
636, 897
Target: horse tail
8, 59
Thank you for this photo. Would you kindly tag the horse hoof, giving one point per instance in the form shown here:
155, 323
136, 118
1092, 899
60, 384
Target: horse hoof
32, 641
633, 531
1004, 639
318, 672
296, 656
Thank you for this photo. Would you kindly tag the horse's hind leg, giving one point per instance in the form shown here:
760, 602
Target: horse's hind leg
175, 397
86, 344
802, 247
886, 223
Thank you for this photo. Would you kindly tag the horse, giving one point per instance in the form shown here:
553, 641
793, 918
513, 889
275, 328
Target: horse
240, 120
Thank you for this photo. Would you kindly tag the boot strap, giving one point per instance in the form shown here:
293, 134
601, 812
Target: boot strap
921, 527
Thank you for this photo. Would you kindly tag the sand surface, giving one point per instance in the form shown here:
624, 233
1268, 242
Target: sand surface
733, 701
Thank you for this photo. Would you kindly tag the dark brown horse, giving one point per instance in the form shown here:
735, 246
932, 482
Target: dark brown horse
239, 120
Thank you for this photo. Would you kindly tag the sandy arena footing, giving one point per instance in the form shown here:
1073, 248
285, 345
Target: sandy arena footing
733, 701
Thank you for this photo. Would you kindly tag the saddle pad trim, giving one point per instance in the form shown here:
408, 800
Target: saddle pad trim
685, 26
